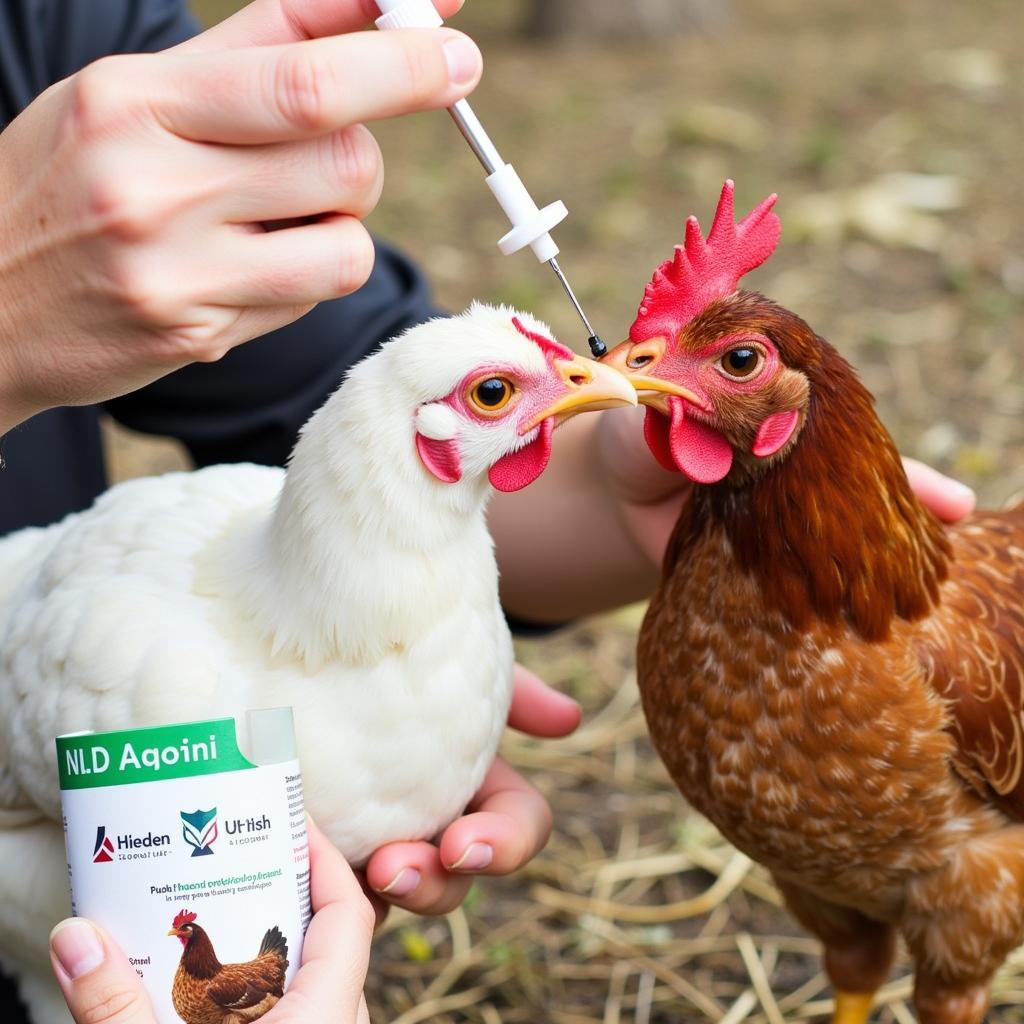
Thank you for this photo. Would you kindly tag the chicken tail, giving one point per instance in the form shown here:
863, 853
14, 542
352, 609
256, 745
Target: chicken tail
274, 942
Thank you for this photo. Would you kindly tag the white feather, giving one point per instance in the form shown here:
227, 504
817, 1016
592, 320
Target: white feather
437, 421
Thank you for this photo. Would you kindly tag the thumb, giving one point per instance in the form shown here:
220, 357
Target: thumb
99, 984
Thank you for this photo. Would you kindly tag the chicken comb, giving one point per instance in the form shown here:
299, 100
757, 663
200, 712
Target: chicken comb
703, 270
183, 917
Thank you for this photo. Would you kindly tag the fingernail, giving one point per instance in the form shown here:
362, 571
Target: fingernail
962, 490
77, 947
476, 857
463, 59
405, 883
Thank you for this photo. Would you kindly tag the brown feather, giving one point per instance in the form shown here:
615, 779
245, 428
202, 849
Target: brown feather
973, 650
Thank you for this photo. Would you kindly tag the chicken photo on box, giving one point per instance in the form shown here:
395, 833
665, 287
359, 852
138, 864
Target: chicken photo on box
365, 569
206, 990
834, 678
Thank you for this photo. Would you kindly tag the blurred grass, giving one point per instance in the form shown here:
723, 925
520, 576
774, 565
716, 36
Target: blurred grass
893, 134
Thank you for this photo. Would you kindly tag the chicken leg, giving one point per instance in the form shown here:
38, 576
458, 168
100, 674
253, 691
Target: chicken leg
859, 951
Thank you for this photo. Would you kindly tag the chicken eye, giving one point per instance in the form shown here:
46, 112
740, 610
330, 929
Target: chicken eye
741, 363
491, 394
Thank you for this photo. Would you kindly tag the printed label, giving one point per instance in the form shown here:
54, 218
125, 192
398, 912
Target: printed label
194, 858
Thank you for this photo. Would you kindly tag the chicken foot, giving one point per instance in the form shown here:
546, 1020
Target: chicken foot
859, 951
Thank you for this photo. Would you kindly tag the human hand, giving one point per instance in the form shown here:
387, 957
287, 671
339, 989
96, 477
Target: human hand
100, 985
136, 194
650, 497
507, 823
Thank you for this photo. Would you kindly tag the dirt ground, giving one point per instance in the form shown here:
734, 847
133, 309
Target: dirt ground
892, 133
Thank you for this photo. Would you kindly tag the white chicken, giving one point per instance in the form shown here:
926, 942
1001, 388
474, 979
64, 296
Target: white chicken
360, 588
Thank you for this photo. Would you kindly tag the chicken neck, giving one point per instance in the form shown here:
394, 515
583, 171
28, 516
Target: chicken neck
832, 532
199, 958
364, 551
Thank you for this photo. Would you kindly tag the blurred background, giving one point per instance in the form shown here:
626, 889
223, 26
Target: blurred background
893, 134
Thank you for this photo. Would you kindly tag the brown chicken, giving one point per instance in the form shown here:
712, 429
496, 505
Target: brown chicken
831, 676
208, 992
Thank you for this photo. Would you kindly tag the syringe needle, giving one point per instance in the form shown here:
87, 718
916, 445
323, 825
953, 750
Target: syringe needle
597, 347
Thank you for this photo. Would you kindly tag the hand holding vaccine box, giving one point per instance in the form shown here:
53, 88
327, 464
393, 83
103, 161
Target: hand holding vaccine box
193, 855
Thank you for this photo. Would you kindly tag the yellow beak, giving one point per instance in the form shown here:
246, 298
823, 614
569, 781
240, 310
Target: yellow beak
174, 932
591, 385
653, 391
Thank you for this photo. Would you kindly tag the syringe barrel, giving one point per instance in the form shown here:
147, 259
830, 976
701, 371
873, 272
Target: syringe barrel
476, 135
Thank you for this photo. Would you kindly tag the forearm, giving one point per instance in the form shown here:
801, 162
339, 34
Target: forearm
566, 545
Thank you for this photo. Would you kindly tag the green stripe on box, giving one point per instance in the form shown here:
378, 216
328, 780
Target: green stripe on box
131, 756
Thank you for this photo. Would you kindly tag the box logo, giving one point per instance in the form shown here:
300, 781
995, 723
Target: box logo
103, 848
199, 830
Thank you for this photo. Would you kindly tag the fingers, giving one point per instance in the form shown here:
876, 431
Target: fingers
340, 172
336, 950
509, 824
295, 266
411, 876
271, 22
508, 815
949, 499
276, 93
539, 710
97, 981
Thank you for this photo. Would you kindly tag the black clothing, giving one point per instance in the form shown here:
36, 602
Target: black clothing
247, 407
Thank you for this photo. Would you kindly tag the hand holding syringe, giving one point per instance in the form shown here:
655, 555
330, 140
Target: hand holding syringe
530, 225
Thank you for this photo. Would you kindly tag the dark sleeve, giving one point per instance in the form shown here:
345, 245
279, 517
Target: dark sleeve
249, 406
43, 41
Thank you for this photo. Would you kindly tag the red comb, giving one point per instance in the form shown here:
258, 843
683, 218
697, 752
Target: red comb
704, 270
183, 917
548, 346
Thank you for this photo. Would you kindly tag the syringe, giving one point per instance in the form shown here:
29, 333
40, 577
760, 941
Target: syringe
530, 225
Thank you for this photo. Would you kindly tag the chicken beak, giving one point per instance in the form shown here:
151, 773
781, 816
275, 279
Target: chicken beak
590, 386
174, 932
651, 391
